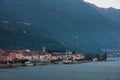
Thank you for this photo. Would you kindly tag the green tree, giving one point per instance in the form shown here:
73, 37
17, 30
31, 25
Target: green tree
89, 56
104, 56
24, 60
97, 56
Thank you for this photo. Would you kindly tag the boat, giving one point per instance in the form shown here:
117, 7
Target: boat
28, 63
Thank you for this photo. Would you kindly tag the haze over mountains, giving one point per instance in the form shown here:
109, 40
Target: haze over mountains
67, 22
108, 8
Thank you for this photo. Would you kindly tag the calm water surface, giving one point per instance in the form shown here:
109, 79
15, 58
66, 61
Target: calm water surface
86, 71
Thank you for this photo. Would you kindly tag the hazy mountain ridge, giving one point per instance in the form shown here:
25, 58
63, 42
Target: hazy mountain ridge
111, 13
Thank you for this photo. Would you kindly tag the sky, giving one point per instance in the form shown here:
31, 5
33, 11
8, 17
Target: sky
105, 3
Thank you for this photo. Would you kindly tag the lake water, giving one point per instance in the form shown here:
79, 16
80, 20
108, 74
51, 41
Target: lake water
87, 71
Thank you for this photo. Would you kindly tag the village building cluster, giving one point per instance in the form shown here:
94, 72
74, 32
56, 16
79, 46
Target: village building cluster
12, 56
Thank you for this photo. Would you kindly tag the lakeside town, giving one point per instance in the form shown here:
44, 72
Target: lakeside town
16, 58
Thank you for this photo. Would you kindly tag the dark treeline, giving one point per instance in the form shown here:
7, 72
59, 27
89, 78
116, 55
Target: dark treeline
100, 57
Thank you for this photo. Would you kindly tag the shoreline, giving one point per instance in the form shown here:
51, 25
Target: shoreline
6, 66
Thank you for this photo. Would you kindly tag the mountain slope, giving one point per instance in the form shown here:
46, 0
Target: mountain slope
72, 22
16, 35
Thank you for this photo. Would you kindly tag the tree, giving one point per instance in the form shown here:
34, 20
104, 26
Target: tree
97, 56
24, 60
104, 56
89, 56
